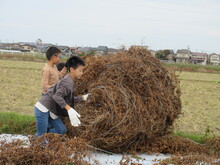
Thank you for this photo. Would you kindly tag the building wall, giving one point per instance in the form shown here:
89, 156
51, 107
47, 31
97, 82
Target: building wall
215, 59
182, 58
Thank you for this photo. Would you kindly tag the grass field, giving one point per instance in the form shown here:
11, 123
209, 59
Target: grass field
19, 85
20, 90
200, 103
192, 67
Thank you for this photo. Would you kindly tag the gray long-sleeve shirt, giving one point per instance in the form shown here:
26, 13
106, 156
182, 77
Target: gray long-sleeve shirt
61, 93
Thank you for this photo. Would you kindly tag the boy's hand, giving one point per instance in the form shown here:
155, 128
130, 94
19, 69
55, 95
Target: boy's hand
63, 71
74, 117
85, 97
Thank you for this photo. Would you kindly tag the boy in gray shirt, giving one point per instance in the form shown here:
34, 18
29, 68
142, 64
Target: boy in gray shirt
59, 100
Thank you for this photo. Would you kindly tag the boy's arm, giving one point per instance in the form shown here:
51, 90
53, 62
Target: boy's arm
67, 107
63, 90
58, 97
78, 98
81, 98
45, 80
62, 73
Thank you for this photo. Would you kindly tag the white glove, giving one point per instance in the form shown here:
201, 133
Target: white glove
85, 97
74, 117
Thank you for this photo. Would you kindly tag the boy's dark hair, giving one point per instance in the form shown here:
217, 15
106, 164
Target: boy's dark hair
60, 66
52, 51
74, 62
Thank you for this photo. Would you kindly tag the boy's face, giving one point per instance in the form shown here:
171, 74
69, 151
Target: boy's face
77, 73
56, 58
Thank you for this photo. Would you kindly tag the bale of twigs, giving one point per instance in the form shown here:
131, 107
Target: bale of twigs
134, 99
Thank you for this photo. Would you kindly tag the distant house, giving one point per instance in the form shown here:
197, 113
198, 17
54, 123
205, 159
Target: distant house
153, 53
43, 48
171, 51
15, 46
102, 50
171, 57
183, 56
19, 47
214, 59
28, 48
73, 49
99, 53
86, 49
198, 58
66, 51
10, 46
76, 53
3, 47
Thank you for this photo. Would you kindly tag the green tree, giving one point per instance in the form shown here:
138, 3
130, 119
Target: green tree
162, 54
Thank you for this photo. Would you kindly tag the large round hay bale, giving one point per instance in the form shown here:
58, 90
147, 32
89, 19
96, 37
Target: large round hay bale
134, 99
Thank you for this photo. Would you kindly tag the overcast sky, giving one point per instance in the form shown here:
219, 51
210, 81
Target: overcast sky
160, 24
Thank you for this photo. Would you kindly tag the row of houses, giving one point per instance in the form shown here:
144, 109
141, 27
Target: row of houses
181, 56
66, 50
186, 56
20, 47
32, 47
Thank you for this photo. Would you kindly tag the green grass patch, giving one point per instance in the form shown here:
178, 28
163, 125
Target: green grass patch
199, 138
193, 67
12, 123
